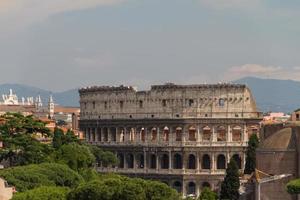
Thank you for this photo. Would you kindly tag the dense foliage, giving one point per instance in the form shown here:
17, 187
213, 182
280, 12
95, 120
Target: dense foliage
19, 144
75, 156
43, 193
104, 157
293, 187
46, 174
251, 154
231, 184
59, 138
113, 187
207, 194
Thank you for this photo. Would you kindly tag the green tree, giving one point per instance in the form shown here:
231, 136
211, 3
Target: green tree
76, 156
231, 184
69, 137
106, 158
251, 154
46, 174
207, 194
293, 187
57, 138
43, 193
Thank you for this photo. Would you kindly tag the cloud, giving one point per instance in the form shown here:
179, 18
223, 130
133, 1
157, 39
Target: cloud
25, 12
254, 69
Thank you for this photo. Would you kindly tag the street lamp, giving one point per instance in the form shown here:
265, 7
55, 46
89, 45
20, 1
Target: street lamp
269, 179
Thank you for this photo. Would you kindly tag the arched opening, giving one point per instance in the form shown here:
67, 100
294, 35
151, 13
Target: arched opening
221, 162
178, 133
99, 134
105, 130
113, 131
237, 134
164, 161
192, 133
93, 135
238, 160
206, 133
221, 102
140, 161
206, 162
192, 162
191, 188
121, 160
177, 161
206, 184
221, 134
143, 135
166, 134
153, 134
177, 186
131, 134
122, 134
130, 161
152, 161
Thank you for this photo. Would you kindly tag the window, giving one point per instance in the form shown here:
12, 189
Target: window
178, 134
164, 103
221, 102
297, 116
141, 104
191, 102
105, 104
94, 104
121, 104
192, 134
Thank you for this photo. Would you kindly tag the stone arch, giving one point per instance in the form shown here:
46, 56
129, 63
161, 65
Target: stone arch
140, 161
221, 134
221, 162
153, 161
178, 134
177, 186
121, 160
153, 134
191, 162
130, 161
166, 134
191, 188
143, 135
113, 132
164, 162
237, 134
122, 134
177, 161
206, 162
192, 133
206, 133
105, 134
238, 160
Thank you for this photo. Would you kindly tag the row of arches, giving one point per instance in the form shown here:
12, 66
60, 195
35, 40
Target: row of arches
191, 186
163, 161
121, 134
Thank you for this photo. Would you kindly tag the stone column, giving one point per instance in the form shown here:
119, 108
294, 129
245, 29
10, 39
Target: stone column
109, 134
229, 134
170, 160
213, 167
102, 134
145, 160
157, 160
227, 158
158, 135
245, 134
214, 137
199, 136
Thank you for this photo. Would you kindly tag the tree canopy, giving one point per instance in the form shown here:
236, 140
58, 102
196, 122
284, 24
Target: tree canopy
207, 194
251, 154
231, 184
293, 187
43, 193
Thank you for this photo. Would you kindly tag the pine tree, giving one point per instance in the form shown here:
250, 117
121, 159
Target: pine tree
251, 154
231, 184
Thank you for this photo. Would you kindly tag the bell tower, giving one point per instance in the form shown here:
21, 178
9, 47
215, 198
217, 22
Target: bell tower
51, 107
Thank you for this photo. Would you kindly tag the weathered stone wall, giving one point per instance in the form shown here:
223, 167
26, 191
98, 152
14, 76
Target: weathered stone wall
168, 101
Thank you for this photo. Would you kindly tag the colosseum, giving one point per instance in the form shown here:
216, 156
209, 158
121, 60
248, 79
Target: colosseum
182, 135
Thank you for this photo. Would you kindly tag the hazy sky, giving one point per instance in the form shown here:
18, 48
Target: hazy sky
63, 44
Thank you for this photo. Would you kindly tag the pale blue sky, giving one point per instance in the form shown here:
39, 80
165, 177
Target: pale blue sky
62, 44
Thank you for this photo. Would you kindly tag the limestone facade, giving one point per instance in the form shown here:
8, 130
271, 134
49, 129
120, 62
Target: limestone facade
183, 135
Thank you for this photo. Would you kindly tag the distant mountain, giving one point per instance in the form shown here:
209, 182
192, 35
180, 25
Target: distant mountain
274, 94
66, 98
270, 94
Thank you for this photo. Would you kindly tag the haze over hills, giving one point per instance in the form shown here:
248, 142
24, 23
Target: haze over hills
270, 94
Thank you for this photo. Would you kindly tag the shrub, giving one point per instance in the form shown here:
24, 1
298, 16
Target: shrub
43, 193
46, 174
293, 187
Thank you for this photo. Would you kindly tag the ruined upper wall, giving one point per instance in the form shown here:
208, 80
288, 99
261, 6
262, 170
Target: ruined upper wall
168, 101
